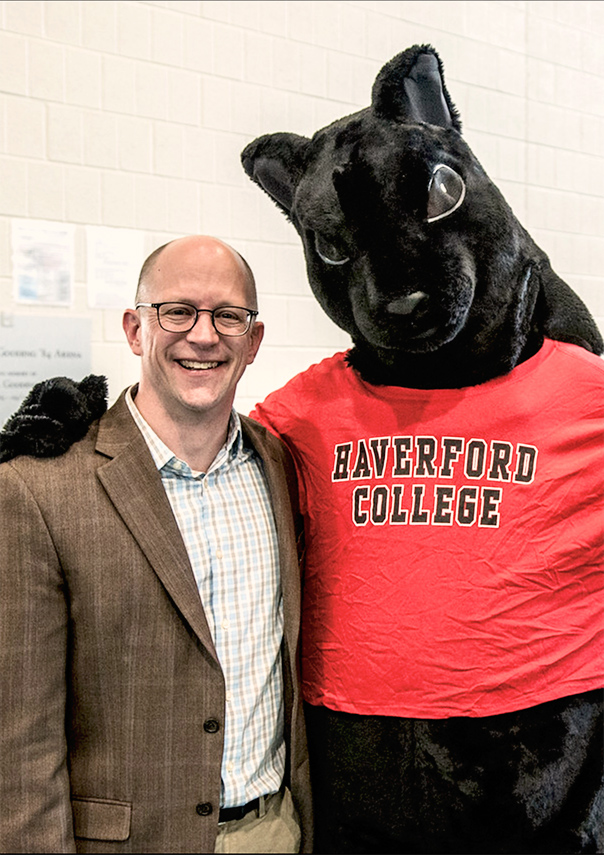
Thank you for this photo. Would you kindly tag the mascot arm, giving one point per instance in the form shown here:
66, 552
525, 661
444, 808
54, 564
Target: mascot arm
55, 414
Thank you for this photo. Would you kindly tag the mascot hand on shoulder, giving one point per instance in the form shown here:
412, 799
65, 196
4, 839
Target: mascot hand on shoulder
55, 414
450, 476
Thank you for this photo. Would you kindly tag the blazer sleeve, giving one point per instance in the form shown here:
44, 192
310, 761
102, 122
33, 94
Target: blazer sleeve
34, 782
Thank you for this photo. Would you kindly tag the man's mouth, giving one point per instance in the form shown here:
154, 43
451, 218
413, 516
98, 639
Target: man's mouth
193, 365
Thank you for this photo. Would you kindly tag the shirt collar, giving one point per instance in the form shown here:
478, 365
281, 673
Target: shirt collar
165, 460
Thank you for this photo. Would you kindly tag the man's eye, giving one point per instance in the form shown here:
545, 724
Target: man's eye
177, 311
231, 316
446, 192
329, 253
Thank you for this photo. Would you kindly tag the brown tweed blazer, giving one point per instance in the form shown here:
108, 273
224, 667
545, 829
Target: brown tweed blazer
110, 688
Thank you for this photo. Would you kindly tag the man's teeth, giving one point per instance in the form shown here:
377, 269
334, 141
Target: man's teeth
199, 366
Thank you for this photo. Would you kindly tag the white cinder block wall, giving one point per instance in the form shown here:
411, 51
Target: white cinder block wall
133, 115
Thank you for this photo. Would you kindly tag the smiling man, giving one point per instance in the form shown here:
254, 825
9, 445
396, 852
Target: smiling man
193, 353
150, 609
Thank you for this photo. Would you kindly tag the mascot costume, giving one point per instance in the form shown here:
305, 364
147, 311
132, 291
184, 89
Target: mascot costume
450, 468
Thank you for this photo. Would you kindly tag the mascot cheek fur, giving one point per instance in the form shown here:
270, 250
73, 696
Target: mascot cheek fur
450, 468
452, 641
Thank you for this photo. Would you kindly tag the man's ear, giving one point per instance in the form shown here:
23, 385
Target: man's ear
256, 336
276, 163
131, 324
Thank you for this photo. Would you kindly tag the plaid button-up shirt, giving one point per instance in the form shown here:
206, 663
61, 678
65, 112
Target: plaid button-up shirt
227, 524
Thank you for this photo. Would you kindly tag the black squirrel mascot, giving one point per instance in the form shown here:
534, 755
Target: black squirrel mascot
450, 468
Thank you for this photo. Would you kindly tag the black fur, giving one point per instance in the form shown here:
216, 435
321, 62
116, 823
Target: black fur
55, 414
519, 782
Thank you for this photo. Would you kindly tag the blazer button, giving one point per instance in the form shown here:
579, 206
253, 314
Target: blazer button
211, 726
204, 809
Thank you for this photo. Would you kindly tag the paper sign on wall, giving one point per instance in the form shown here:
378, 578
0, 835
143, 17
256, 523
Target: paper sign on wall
43, 266
36, 348
114, 258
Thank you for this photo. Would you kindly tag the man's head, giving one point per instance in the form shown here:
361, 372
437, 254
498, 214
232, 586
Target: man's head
192, 374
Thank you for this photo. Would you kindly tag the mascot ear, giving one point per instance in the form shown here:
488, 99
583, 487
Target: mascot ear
411, 88
276, 163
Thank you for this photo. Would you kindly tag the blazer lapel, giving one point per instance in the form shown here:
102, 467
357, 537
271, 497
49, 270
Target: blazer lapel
134, 486
280, 499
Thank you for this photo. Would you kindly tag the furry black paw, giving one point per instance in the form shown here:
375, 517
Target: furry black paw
55, 414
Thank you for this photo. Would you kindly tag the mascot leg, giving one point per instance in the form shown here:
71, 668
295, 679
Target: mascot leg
522, 782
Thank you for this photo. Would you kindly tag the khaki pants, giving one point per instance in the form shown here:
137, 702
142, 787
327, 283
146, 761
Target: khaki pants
273, 828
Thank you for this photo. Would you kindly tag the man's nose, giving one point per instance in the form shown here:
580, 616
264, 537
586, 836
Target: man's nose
204, 330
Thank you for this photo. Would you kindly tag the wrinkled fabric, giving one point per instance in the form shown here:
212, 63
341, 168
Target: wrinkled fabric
454, 537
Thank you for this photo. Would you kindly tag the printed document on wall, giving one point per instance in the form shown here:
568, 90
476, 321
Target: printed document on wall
114, 260
43, 262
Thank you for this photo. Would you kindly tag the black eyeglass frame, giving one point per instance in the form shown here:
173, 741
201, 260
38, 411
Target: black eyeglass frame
251, 314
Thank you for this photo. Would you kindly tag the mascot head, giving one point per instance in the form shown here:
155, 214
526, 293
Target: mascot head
409, 246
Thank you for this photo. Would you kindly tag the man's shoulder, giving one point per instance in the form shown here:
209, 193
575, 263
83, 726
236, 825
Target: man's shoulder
263, 440
32, 467
56, 485
267, 443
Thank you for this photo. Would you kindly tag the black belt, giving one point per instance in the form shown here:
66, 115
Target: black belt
227, 814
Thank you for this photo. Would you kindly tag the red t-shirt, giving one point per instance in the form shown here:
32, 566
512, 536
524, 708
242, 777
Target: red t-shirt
455, 537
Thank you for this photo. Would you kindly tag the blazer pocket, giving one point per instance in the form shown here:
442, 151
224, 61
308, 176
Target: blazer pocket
101, 819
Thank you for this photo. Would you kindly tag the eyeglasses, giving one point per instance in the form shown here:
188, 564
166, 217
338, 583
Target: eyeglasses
182, 317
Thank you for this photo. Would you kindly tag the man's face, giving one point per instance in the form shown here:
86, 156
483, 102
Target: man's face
192, 374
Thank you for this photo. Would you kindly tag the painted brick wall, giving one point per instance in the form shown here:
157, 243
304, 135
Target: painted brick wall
133, 114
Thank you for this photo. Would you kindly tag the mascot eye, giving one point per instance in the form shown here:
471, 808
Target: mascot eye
446, 192
329, 253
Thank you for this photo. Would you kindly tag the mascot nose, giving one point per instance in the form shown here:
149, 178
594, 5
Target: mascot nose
406, 305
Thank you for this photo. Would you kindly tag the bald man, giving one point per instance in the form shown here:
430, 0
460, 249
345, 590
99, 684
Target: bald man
150, 603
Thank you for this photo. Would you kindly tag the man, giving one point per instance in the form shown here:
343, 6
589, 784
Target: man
150, 600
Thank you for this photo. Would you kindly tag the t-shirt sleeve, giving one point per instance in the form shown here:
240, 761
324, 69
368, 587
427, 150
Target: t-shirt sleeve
278, 414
